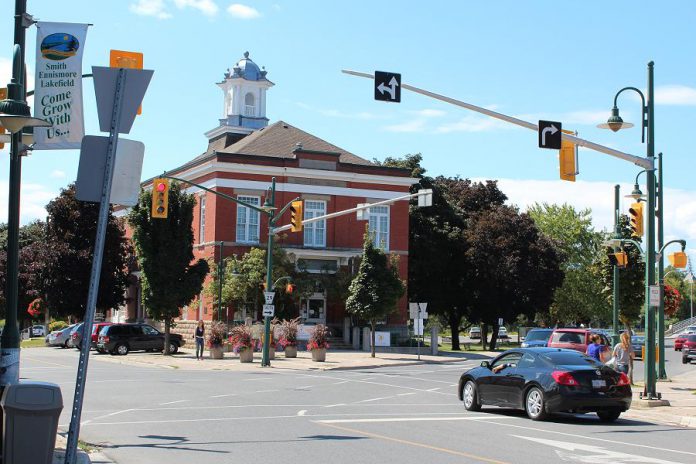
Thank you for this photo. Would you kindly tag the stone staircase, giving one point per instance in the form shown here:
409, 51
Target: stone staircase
337, 343
679, 326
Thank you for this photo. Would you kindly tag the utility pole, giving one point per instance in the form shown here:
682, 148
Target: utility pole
615, 302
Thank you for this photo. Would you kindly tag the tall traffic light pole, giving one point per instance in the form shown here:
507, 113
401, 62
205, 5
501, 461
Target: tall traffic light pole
615, 302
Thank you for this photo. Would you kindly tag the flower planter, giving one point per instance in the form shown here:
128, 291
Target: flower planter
246, 356
216, 352
290, 351
319, 355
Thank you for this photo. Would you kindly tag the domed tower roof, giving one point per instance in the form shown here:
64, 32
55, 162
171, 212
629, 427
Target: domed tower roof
247, 69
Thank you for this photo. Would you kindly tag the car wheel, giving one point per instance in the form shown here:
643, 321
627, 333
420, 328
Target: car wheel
534, 404
173, 348
608, 416
470, 396
121, 349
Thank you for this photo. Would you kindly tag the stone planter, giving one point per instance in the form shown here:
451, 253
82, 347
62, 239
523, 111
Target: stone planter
319, 355
246, 356
290, 351
217, 352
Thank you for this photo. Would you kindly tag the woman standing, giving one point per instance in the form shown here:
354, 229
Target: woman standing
623, 353
200, 338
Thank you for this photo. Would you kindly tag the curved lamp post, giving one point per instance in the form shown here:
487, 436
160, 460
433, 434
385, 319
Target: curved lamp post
615, 123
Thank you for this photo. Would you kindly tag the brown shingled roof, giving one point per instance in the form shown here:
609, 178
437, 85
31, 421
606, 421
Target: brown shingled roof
280, 139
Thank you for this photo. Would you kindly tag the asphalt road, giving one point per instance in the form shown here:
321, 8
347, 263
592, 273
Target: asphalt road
406, 414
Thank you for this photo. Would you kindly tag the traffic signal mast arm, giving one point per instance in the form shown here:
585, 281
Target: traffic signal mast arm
214, 192
356, 209
637, 160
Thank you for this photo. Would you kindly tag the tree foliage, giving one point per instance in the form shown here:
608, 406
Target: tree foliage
165, 253
69, 240
376, 288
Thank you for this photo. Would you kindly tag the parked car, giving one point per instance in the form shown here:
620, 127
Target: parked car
502, 332
96, 328
60, 337
475, 332
38, 331
689, 349
75, 336
679, 342
123, 338
637, 343
575, 339
543, 381
536, 338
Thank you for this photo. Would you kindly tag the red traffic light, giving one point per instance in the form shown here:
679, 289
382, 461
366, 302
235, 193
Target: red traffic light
161, 187
289, 288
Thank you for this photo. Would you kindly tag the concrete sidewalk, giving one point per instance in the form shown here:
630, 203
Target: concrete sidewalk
680, 391
94, 457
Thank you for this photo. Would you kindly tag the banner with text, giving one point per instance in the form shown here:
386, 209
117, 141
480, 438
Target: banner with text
58, 86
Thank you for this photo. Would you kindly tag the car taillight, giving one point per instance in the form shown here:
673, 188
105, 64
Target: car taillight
74, 336
564, 378
105, 339
623, 380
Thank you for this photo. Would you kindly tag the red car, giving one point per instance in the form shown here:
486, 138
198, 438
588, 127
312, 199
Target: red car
574, 339
679, 342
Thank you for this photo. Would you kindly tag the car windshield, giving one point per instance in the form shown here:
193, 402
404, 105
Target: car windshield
569, 358
535, 335
692, 338
567, 337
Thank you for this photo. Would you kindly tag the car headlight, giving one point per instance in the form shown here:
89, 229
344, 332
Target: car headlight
523, 345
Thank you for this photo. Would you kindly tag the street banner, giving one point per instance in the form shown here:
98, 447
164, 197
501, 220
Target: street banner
58, 85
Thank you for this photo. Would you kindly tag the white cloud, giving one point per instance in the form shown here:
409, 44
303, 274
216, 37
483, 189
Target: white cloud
675, 95
416, 125
429, 113
33, 201
679, 205
57, 174
154, 8
207, 7
473, 124
333, 113
240, 11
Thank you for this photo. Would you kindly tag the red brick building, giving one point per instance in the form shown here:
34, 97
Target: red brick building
244, 153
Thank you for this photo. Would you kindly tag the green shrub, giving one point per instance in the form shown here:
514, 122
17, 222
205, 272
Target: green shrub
57, 325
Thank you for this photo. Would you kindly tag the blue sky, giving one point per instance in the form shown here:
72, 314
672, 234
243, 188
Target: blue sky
534, 60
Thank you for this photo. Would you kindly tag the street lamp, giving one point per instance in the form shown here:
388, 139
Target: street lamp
690, 278
615, 123
14, 116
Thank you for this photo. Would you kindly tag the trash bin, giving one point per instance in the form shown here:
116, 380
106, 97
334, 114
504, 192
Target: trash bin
30, 422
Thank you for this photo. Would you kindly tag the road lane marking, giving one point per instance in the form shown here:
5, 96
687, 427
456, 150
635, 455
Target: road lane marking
174, 402
334, 405
599, 454
605, 440
404, 419
302, 412
420, 445
406, 394
389, 385
373, 399
222, 396
434, 389
266, 391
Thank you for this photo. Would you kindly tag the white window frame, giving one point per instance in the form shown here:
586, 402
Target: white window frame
250, 110
379, 218
249, 230
314, 232
201, 219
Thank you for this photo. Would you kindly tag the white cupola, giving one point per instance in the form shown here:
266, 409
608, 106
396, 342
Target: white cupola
244, 100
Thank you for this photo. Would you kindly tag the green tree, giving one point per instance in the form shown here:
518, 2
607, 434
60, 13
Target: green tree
411, 162
631, 278
164, 249
70, 234
376, 288
516, 267
580, 298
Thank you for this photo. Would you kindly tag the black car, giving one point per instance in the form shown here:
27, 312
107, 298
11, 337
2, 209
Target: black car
543, 381
122, 338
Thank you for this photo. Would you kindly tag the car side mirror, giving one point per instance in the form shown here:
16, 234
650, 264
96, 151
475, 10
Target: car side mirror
486, 364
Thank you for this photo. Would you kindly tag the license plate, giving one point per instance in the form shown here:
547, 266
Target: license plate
599, 383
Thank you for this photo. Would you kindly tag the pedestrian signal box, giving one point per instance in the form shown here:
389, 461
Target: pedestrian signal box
677, 259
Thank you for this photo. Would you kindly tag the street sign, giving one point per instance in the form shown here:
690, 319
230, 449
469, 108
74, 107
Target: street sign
268, 310
387, 86
426, 198
550, 135
269, 297
500, 322
135, 85
413, 310
654, 296
363, 214
418, 326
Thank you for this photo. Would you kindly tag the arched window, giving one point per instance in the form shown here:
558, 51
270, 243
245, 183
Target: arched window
249, 106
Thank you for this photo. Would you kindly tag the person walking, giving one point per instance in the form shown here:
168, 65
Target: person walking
623, 353
200, 339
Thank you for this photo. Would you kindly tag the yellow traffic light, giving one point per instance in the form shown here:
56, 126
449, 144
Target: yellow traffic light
567, 161
619, 258
160, 198
636, 212
677, 259
130, 60
296, 216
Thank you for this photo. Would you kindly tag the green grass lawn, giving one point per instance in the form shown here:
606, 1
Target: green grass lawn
447, 347
33, 343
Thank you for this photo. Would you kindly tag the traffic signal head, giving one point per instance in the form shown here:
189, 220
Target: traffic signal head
289, 288
567, 161
677, 259
619, 259
636, 213
296, 216
160, 198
